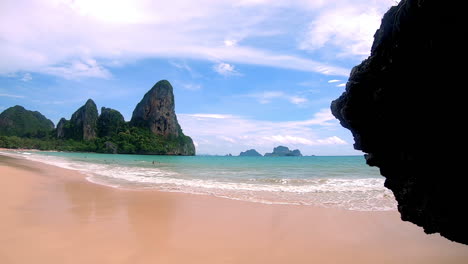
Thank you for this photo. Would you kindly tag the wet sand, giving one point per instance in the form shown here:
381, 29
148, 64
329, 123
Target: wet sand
53, 215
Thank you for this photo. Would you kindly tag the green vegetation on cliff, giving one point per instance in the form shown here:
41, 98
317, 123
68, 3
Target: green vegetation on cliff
17, 121
110, 122
157, 131
130, 141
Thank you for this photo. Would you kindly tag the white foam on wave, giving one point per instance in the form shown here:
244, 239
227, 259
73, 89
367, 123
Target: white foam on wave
365, 194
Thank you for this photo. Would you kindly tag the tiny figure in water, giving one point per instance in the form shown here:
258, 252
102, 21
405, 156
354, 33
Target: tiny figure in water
153, 162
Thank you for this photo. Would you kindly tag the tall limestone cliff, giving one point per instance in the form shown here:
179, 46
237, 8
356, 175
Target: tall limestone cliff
153, 130
61, 125
82, 125
156, 111
85, 120
405, 104
18, 121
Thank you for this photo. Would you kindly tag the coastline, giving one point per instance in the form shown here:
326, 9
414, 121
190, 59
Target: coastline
54, 215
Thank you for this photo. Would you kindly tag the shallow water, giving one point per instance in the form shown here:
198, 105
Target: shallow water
339, 181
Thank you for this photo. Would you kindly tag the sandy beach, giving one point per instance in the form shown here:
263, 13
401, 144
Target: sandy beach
53, 215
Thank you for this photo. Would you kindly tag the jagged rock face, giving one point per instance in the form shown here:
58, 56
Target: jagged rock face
109, 122
403, 107
18, 121
156, 111
60, 132
83, 122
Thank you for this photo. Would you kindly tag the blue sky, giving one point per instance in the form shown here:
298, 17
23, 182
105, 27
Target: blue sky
246, 74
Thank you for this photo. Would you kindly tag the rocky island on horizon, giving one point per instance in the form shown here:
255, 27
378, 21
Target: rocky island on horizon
153, 129
282, 151
250, 153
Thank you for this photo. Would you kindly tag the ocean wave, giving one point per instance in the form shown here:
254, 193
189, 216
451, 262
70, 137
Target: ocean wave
361, 194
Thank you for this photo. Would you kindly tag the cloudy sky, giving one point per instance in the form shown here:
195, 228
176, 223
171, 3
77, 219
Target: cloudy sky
246, 74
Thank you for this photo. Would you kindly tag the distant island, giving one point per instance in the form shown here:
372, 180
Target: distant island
282, 151
153, 129
250, 153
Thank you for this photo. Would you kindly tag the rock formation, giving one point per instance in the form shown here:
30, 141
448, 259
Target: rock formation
156, 111
85, 120
250, 153
110, 121
153, 130
403, 107
60, 131
17, 121
282, 151
82, 125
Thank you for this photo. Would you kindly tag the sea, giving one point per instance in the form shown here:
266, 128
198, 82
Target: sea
328, 181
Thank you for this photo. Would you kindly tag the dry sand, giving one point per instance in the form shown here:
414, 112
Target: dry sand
52, 215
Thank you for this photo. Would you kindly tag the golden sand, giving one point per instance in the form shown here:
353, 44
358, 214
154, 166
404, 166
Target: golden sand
52, 215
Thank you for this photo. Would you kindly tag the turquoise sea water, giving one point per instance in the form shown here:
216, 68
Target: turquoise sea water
341, 181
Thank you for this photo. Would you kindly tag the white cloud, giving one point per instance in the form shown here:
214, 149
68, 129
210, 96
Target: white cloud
220, 133
215, 116
268, 96
225, 69
26, 77
11, 95
76, 39
297, 100
333, 81
228, 139
285, 139
230, 43
78, 69
349, 26
341, 85
182, 65
331, 140
191, 87
322, 118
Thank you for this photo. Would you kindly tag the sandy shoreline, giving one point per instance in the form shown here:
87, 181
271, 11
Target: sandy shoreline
53, 215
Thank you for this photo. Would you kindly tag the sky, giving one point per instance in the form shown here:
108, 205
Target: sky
246, 74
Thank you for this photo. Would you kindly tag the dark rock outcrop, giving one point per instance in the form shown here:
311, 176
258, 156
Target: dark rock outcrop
110, 121
250, 153
282, 151
83, 122
60, 131
403, 107
156, 111
110, 147
82, 125
18, 121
